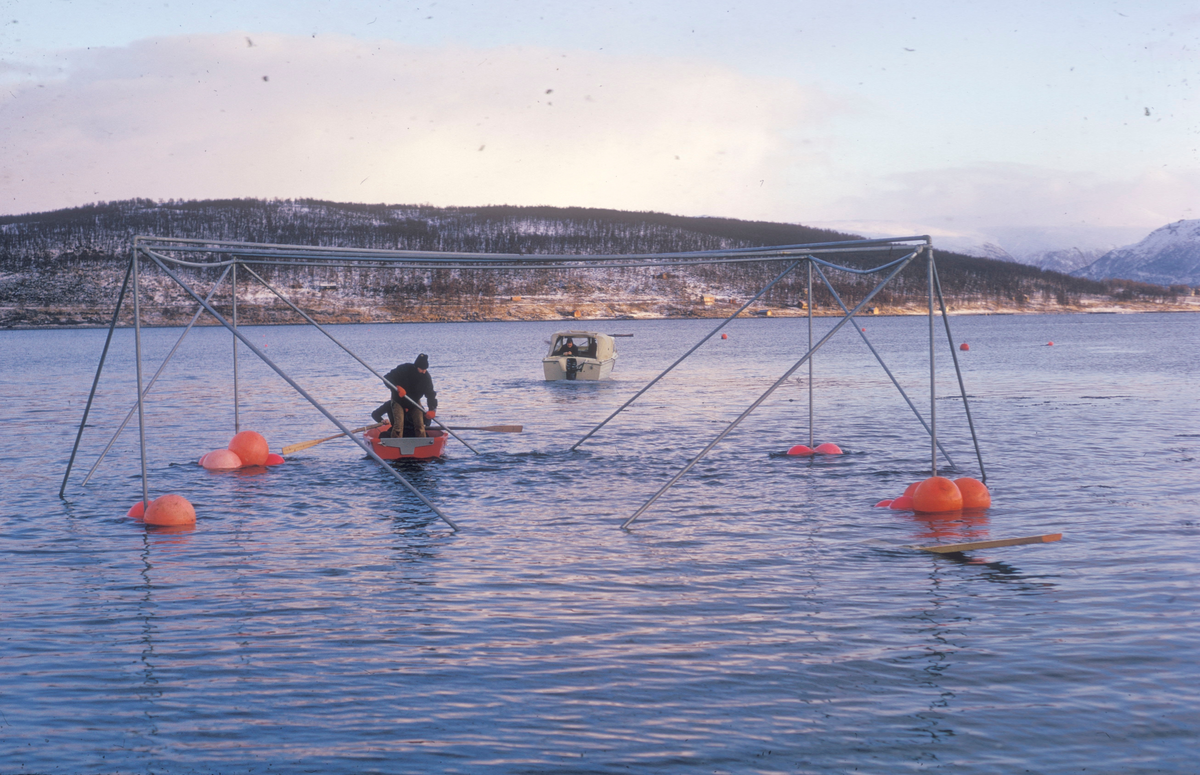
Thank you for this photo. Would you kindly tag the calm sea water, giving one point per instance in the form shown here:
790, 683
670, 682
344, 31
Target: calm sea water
320, 619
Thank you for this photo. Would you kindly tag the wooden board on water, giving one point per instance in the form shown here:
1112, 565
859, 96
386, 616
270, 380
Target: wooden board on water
993, 544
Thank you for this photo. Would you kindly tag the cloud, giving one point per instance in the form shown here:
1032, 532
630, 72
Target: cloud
376, 121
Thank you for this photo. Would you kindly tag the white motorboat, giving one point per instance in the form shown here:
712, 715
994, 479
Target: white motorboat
580, 355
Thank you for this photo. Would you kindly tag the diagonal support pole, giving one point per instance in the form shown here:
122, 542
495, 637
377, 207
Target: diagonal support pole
683, 357
341, 426
879, 358
898, 267
957, 370
318, 326
153, 379
96, 380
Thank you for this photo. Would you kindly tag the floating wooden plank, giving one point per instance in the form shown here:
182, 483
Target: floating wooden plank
993, 544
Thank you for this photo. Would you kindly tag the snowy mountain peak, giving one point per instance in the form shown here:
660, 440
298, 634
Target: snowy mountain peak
1168, 256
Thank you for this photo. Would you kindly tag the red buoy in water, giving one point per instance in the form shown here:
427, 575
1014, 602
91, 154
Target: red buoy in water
964, 346
909, 490
137, 510
251, 447
170, 510
274, 460
828, 449
937, 494
221, 460
801, 449
975, 493
884, 503
903, 503
724, 336
1049, 344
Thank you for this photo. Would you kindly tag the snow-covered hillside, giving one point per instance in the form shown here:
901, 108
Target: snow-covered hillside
1169, 256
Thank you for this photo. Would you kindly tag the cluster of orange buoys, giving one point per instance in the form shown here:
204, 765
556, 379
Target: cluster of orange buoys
938, 494
803, 450
246, 449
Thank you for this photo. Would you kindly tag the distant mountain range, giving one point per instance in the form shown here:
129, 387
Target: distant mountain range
65, 267
1168, 256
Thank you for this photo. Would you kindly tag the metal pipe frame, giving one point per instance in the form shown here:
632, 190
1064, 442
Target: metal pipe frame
811, 416
349, 352
96, 380
958, 371
263, 356
879, 358
683, 357
141, 402
933, 447
237, 425
899, 265
150, 384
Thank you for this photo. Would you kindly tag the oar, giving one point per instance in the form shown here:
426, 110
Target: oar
948, 548
289, 449
971, 545
489, 428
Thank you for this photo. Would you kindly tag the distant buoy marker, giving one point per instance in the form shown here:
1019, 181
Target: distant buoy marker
964, 346
828, 449
1049, 344
801, 450
724, 336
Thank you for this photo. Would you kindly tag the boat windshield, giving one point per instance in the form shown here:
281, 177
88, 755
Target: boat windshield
580, 346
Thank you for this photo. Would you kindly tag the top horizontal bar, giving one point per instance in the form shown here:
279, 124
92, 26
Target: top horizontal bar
272, 253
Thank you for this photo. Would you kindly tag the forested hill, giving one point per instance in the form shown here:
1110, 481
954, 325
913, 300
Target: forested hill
64, 267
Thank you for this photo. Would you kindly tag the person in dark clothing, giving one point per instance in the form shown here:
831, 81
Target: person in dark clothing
568, 348
412, 380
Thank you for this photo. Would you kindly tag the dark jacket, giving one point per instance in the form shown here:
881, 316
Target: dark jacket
415, 384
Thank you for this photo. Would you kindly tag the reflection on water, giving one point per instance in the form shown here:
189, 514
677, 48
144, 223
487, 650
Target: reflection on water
319, 617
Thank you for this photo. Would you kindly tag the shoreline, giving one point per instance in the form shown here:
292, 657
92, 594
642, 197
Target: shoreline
544, 310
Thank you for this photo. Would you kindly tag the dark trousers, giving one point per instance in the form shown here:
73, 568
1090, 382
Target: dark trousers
407, 420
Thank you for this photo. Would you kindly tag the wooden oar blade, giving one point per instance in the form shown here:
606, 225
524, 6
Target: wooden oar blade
289, 449
993, 544
489, 428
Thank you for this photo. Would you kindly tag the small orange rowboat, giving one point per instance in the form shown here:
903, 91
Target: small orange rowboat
407, 447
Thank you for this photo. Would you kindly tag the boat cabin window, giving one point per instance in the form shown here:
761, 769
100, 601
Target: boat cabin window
581, 346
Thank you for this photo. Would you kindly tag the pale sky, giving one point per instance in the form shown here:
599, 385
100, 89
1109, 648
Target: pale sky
1016, 120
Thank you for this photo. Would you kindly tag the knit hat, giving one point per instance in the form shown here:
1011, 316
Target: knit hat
422, 361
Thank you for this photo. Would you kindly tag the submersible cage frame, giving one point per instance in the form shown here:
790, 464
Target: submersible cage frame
165, 253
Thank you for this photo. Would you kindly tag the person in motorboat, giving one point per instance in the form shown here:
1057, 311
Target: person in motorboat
412, 380
568, 348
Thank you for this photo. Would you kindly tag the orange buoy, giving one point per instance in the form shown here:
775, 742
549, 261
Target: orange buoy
828, 449
170, 510
864, 329
936, 494
909, 490
251, 447
137, 510
801, 449
964, 346
201, 460
274, 460
884, 503
724, 336
975, 493
221, 460
1049, 344
903, 503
